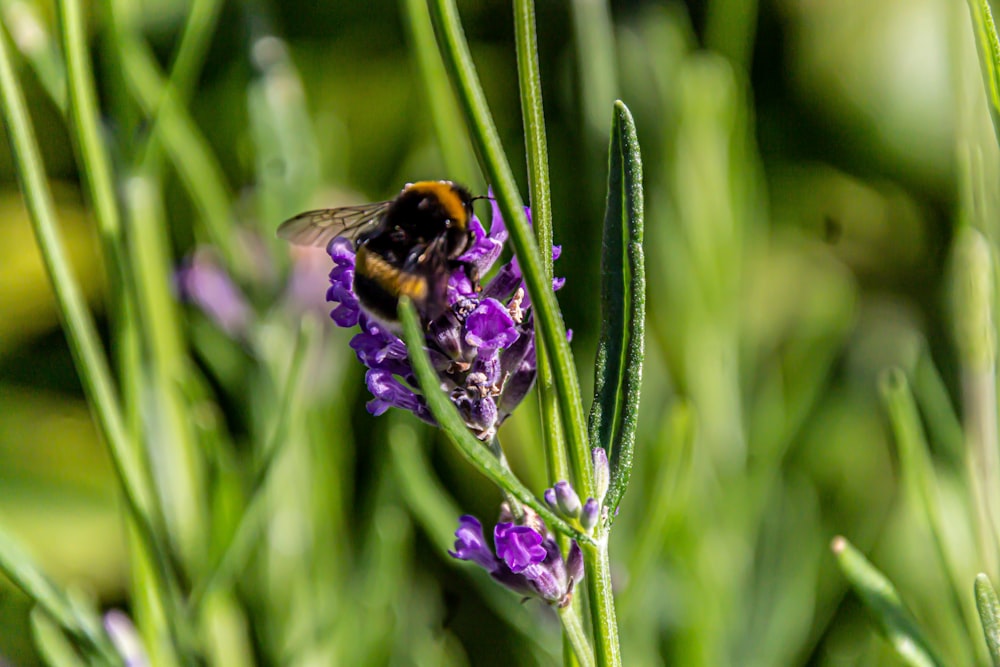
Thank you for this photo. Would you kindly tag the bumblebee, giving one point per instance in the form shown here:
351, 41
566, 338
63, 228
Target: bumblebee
407, 246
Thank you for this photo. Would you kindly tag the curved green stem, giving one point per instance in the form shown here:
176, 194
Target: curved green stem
475, 452
602, 600
549, 324
570, 618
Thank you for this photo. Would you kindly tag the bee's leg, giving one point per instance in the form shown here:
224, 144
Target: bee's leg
472, 271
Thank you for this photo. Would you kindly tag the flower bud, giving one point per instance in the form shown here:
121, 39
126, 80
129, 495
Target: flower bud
569, 502
590, 514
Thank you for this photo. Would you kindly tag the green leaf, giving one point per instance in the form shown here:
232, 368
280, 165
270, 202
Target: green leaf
475, 452
618, 367
989, 615
21, 569
893, 620
988, 46
52, 644
920, 481
81, 332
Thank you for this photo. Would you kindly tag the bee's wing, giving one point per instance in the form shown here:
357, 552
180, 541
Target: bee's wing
318, 228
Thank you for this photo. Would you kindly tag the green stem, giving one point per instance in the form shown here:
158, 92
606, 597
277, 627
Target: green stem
573, 629
539, 197
195, 37
81, 333
440, 99
475, 452
20, 569
183, 142
234, 551
602, 601
549, 324
513, 503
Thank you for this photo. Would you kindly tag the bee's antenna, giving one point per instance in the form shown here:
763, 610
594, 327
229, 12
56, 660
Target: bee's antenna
478, 197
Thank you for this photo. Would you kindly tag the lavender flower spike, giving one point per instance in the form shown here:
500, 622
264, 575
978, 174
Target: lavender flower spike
527, 560
483, 346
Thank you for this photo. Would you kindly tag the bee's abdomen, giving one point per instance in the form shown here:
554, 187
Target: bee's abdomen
378, 285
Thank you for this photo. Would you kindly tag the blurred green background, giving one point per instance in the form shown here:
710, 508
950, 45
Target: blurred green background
806, 166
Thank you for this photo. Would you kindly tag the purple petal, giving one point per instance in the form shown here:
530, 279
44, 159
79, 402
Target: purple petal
490, 326
341, 251
386, 388
485, 370
203, 282
518, 546
471, 545
486, 248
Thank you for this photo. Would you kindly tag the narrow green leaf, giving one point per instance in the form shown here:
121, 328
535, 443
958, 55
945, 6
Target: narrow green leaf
892, 619
989, 615
988, 46
474, 451
920, 481
182, 141
81, 333
51, 642
231, 552
31, 36
456, 153
20, 568
618, 367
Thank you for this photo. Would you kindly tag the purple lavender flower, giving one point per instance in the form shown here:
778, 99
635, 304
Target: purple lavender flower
527, 560
483, 346
201, 280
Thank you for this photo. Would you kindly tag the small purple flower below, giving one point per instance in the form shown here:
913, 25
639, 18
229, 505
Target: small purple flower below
483, 347
527, 560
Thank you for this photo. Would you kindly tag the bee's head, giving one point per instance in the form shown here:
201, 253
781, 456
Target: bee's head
444, 200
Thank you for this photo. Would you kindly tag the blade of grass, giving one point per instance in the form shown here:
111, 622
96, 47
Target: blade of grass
233, 552
20, 568
988, 46
989, 615
974, 327
879, 596
199, 26
918, 473
196, 165
51, 643
456, 154
595, 52
80, 330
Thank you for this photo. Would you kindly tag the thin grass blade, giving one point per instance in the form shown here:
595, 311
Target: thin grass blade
989, 615
892, 619
988, 46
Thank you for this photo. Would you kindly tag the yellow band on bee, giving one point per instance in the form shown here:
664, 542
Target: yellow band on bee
391, 279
